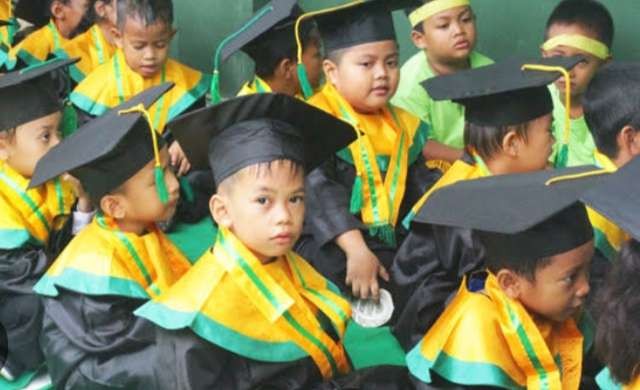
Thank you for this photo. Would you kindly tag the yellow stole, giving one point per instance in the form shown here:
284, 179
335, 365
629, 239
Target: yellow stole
608, 237
92, 48
29, 216
460, 170
257, 85
103, 260
39, 45
486, 338
387, 142
264, 312
114, 82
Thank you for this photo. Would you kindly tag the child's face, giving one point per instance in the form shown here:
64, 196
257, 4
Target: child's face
263, 207
22, 148
68, 16
582, 73
138, 202
366, 75
312, 60
448, 36
532, 153
145, 47
560, 288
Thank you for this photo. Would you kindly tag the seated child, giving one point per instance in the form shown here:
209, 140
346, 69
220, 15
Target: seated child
34, 222
95, 46
508, 115
519, 324
145, 30
262, 316
444, 31
358, 197
576, 27
269, 38
67, 18
90, 337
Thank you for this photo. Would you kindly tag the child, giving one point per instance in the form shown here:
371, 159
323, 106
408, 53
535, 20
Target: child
90, 337
519, 323
262, 315
145, 30
34, 223
95, 46
66, 22
576, 27
269, 38
357, 197
445, 33
508, 115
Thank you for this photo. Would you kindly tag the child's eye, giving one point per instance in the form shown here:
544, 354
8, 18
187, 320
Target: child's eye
138, 47
442, 26
467, 19
161, 45
297, 199
392, 63
570, 279
365, 64
263, 200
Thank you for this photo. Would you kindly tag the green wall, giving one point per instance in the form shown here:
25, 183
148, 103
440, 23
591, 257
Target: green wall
506, 28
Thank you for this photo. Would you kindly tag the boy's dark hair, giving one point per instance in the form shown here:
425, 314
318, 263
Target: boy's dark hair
589, 14
295, 167
487, 140
150, 11
526, 268
611, 102
617, 338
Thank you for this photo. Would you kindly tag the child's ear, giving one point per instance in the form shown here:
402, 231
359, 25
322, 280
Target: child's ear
628, 142
511, 143
57, 10
418, 39
330, 69
510, 283
117, 36
113, 206
220, 210
288, 67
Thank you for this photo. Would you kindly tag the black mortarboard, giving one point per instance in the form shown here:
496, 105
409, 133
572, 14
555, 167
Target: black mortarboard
108, 150
36, 12
357, 23
30, 93
618, 198
256, 129
502, 94
521, 216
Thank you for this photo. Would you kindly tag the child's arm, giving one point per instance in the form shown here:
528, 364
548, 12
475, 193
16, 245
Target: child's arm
434, 150
363, 267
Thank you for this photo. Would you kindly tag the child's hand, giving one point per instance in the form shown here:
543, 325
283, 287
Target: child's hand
363, 268
178, 159
84, 203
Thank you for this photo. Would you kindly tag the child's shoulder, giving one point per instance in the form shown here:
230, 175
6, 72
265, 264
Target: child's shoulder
174, 66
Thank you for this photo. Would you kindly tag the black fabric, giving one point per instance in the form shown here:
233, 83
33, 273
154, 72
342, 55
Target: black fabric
35, 12
20, 308
501, 94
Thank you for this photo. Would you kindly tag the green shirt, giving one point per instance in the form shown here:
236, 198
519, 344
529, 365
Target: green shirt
445, 117
581, 145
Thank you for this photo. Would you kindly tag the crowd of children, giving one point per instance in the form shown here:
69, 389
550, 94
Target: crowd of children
485, 211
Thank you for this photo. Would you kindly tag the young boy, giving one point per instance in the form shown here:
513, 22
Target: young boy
262, 316
269, 38
145, 30
519, 323
358, 197
508, 115
66, 22
34, 222
90, 337
445, 33
576, 27
95, 46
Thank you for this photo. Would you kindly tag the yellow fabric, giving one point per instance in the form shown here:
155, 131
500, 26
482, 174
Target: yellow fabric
220, 288
37, 211
431, 8
86, 46
99, 91
99, 251
257, 85
389, 133
580, 42
6, 13
38, 45
488, 327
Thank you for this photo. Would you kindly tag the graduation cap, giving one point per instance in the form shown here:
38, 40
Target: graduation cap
507, 93
259, 128
522, 216
110, 149
36, 12
269, 29
618, 198
30, 93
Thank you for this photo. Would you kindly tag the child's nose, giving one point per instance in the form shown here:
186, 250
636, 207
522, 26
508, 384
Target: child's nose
283, 214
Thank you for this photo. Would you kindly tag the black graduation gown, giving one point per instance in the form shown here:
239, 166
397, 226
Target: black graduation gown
20, 308
328, 197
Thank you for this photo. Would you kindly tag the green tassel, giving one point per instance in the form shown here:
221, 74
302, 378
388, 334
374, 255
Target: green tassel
186, 189
562, 158
406, 222
161, 186
307, 91
356, 196
215, 88
69, 120
385, 233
